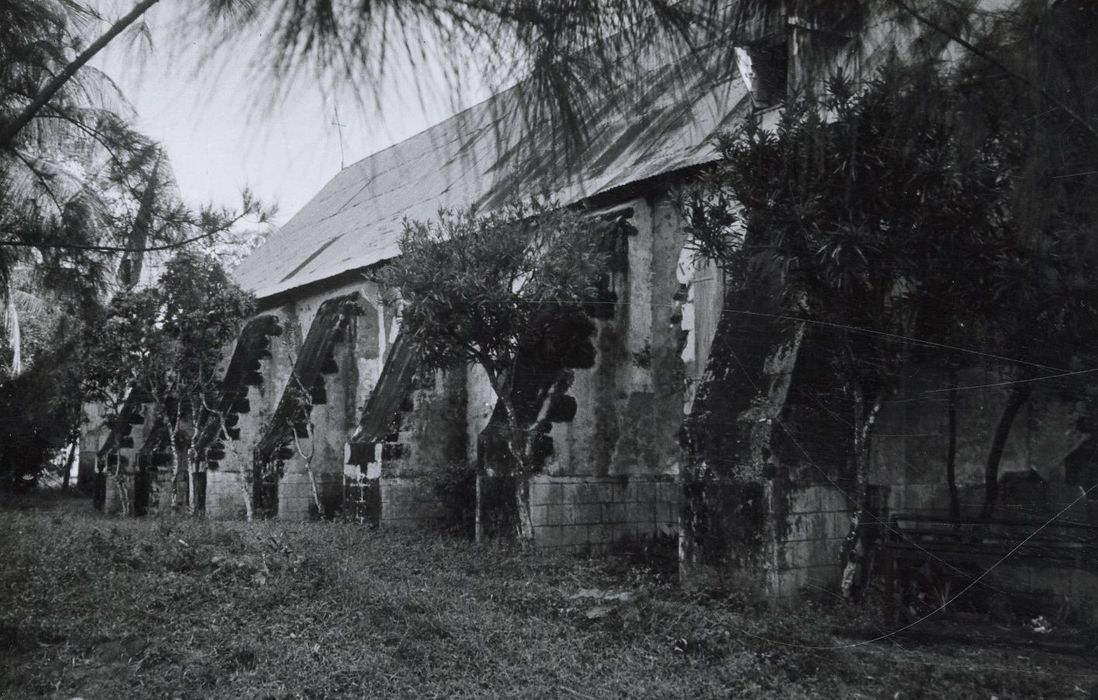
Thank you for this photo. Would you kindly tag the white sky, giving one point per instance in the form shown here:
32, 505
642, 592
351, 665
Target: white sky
222, 133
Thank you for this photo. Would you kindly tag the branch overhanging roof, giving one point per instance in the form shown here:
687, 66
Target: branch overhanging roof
662, 121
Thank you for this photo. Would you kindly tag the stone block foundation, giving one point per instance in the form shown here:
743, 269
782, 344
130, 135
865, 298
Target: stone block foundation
224, 498
808, 544
595, 513
398, 502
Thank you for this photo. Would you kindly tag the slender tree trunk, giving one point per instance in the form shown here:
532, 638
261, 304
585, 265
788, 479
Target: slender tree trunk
69, 460
316, 491
867, 420
1019, 394
308, 460
478, 525
246, 495
175, 465
15, 335
855, 571
120, 485
241, 477
7, 136
192, 467
525, 524
951, 450
516, 444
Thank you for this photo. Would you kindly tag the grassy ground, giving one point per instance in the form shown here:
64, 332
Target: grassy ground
105, 608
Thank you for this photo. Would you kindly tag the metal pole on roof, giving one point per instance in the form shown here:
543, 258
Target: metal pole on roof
339, 128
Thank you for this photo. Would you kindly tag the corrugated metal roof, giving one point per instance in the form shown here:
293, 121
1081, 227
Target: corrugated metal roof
662, 122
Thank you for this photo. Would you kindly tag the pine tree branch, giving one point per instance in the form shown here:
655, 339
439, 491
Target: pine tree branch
118, 248
985, 55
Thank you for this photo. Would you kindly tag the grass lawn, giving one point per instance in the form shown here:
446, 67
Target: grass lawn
96, 607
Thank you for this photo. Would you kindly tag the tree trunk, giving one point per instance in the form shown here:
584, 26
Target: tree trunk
478, 524
246, 496
120, 484
175, 465
857, 547
516, 443
316, 491
68, 462
308, 460
1019, 394
192, 467
864, 421
524, 526
951, 450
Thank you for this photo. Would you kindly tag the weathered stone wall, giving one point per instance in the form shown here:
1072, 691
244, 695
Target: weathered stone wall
397, 489
909, 456
331, 425
587, 514
409, 502
739, 493
612, 471
770, 499
431, 431
357, 367
770, 539
629, 404
814, 521
226, 485
911, 443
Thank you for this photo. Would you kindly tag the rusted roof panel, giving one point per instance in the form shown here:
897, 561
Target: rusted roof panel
660, 123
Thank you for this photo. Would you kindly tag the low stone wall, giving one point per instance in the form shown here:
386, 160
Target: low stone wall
593, 513
400, 502
408, 502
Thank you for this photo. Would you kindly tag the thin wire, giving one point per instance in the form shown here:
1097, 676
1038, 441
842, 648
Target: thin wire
1014, 381
826, 324
976, 580
894, 336
935, 611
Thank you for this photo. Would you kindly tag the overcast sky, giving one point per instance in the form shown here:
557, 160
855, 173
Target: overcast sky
221, 132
